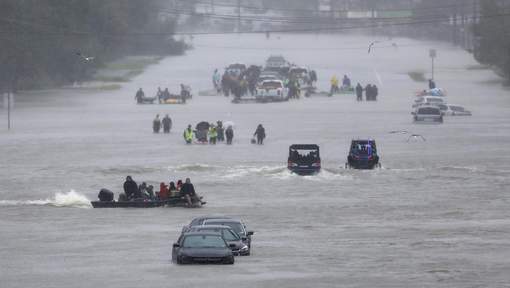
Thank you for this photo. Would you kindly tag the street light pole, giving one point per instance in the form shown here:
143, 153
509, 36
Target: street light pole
8, 110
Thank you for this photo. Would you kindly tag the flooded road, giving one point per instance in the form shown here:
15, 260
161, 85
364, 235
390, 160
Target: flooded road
436, 215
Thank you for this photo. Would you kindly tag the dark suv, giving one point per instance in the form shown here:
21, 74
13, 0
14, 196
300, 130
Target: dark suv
304, 159
363, 155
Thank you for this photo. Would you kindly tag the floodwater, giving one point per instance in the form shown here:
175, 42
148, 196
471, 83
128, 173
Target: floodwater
436, 215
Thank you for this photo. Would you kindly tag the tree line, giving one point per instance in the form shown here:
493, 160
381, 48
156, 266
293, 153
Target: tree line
493, 36
40, 39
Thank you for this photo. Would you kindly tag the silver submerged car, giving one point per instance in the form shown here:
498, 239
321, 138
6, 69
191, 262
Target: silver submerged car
430, 114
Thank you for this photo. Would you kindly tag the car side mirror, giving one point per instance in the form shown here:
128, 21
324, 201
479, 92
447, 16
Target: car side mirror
232, 245
249, 233
176, 245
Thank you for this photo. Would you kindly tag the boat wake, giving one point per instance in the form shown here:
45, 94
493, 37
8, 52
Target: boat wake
70, 199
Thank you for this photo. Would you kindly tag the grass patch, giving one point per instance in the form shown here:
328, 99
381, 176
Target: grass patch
133, 63
477, 67
417, 76
109, 87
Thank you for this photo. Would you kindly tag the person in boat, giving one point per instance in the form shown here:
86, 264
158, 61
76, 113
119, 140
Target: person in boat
179, 184
185, 93
130, 188
375, 92
159, 94
359, 92
149, 193
142, 189
163, 191
105, 195
221, 131
213, 134
346, 82
139, 96
432, 84
167, 124
156, 124
261, 134
334, 85
172, 190
188, 135
166, 94
188, 192
230, 134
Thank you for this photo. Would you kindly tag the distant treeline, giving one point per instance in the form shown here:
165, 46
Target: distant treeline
493, 33
39, 39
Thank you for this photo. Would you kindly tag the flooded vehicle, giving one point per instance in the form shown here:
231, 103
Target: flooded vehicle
363, 155
271, 91
202, 247
427, 113
304, 159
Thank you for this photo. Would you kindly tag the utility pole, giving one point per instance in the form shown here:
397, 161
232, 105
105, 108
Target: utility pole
9, 110
238, 15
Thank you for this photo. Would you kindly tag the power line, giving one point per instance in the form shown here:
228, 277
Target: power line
64, 32
332, 10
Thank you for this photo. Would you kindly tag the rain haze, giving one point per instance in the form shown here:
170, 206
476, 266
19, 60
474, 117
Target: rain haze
365, 143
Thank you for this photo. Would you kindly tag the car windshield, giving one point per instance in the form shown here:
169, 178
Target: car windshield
272, 84
429, 111
237, 227
363, 149
457, 108
203, 241
230, 235
434, 100
304, 155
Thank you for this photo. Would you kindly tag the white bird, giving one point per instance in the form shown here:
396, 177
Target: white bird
399, 132
84, 57
372, 44
416, 136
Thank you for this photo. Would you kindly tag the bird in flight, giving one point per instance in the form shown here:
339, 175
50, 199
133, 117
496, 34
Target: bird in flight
372, 44
416, 136
399, 132
85, 57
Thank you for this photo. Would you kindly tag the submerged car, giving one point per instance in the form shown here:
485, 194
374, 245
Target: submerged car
424, 100
271, 90
363, 155
304, 159
202, 247
427, 113
237, 225
453, 110
229, 235
200, 221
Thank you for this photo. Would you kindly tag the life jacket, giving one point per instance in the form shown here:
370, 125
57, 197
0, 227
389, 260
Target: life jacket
163, 191
213, 133
188, 134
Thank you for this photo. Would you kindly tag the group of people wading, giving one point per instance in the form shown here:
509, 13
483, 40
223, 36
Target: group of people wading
143, 192
166, 123
371, 92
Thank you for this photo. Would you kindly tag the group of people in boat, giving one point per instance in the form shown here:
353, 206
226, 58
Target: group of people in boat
143, 192
163, 95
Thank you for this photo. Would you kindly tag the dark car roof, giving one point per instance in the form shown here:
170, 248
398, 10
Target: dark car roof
210, 217
201, 233
208, 227
229, 220
305, 146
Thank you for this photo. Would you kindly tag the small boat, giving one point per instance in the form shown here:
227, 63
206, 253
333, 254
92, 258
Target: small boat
171, 202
